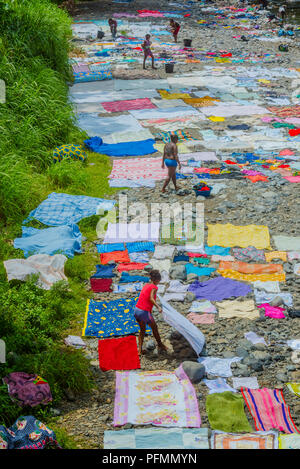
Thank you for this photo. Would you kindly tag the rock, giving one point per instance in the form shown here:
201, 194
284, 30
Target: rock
229, 354
178, 272
281, 377
241, 352
295, 375
246, 344
277, 301
190, 297
258, 355
260, 346
256, 365
150, 345
195, 371
70, 394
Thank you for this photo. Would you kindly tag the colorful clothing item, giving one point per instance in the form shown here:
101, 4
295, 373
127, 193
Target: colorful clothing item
170, 163
156, 397
144, 302
291, 441
269, 410
118, 354
218, 289
28, 390
218, 366
246, 268
225, 412
217, 385
248, 254
272, 311
294, 388
116, 256
233, 274
181, 134
237, 309
65, 152
27, 433
257, 440
276, 255
99, 285
143, 316
242, 236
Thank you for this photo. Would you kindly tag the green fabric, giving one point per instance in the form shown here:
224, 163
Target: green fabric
225, 412
283, 124
202, 260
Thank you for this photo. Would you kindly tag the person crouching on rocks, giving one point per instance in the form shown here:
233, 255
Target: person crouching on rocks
143, 311
170, 159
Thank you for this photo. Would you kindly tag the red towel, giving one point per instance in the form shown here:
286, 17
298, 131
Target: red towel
131, 266
118, 354
294, 132
99, 285
116, 256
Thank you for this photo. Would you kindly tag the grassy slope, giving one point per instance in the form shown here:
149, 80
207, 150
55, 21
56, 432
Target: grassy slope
36, 117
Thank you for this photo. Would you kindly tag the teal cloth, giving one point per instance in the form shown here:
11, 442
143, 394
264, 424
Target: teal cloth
192, 269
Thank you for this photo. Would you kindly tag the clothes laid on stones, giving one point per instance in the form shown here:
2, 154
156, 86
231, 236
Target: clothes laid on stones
176, 286
69, 152
292, 255
130, 232
248, 254
131, 266
218, 366
181, 258
233, 274
297, 269
291, 441
270, 287
104, 271
127, 278
294, 388
110, 318
139, 257
160, 265
174, 297
94, 125
219, 288
201, 260
104, 248
137, 168
287, 243
204, 318
275, 255
246, 268
27, 433
217, 258
163, 251
140, 246
128, 287
217, 250
269, 410
156, 397
127, 105
191, 333
116, 256
237, 309
75, 341
133, 148
63, 239
65, 209
263, 297
27, 389
192, 269
203, 306
243, 236
248, 441
217, 385
157, 438
100, 285
272, 311
225, 411
250, 382
50, 269
118, 354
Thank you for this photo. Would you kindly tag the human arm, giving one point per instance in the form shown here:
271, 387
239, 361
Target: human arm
153, 301
163, 159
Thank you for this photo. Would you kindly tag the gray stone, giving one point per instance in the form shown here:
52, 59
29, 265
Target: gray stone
277, 301
150, 345
178, 272
281, 377
190, 297
241, 352
260, 355
256, 365
195, 371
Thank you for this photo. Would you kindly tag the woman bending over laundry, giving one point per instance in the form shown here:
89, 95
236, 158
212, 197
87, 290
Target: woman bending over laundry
170, 159
147, 51
113, 27
143, 310
175, 27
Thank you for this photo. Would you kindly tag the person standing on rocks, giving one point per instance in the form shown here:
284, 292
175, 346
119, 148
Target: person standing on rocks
175, 27
282, 12
146, 46
143, 310
170, 159
113, 27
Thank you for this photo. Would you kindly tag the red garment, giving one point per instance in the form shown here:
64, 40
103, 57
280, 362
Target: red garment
131, 266
229, 162
227, 55
99, 285
144, 302
196, 254
294, 132
257, 178
118, 354
117, 256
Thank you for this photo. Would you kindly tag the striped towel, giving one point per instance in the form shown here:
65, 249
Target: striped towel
269, 410
181, 134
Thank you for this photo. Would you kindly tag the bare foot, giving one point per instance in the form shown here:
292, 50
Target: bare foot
163, 191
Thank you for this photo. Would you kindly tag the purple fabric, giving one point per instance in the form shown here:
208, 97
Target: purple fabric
219, 288
251, 172
28, 389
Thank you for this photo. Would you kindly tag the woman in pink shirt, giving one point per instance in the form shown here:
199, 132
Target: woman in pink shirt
143, 310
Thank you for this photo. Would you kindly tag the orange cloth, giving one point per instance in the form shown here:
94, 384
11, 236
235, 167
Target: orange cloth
257, 178
233, 274
131, 266
246, 268
117, 256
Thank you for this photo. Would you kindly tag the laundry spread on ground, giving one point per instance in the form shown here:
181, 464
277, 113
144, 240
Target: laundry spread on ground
248, 441
225, 412
118, 354
243, 236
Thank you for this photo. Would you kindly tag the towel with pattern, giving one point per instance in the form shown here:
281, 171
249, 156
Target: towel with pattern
243, 236
161, 398
181, 134
69, 152
246, 268
269, 410
110, 318
258, 440
118, 354
248, 254
233, 274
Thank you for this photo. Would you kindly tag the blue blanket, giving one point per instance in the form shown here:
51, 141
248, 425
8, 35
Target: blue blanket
103, 248
127, 278
56, 240
139, 246
104, 271
192, 269
142, 147
65, 209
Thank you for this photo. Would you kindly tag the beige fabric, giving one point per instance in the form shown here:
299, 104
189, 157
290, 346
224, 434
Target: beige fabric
237, 309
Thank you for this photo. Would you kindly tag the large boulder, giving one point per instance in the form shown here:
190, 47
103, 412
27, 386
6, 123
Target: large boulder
195, 371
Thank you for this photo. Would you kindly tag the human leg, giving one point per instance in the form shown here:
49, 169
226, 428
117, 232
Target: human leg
170, 169
141, 335
154, 328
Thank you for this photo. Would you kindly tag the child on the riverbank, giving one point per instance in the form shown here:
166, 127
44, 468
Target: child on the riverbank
175, 27
146, 46
170, 159
143, 309
113, 27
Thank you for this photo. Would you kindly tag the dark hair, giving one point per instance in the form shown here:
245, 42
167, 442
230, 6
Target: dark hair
148, 35
174, 138
155, 276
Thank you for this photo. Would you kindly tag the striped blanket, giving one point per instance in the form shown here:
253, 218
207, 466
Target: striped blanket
181, 134
269, 410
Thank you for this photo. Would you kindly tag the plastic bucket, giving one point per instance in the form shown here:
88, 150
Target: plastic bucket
204, 193
100, 34
169, 67
283, 48
187, 42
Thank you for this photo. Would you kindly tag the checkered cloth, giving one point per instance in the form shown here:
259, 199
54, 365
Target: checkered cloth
65, 209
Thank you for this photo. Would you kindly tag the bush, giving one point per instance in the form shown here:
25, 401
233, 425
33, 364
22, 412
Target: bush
69, 176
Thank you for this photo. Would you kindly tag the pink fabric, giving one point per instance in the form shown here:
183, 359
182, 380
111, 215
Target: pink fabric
292, 120
128, 105
251, 172
292, 178
196, 318
286, 152
137, 168
272, 311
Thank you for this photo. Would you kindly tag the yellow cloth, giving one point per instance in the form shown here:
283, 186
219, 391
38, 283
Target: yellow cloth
217, 118
275, 255
182, 148
252, 277
294, 388
289, 441
222, 60
237, 309
201, 102
263, 80
234, 235
166, 95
